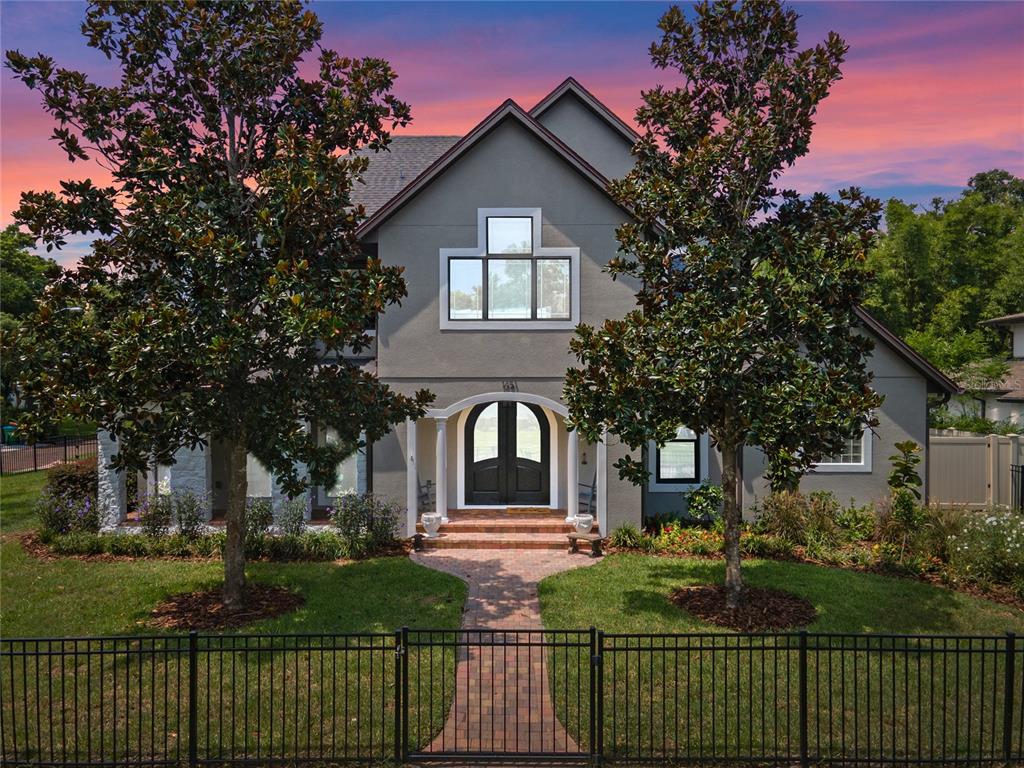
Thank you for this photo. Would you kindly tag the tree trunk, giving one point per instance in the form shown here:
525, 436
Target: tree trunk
234, 546
732, 516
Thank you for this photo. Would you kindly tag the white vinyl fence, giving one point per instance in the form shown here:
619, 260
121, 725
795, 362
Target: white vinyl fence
973, 470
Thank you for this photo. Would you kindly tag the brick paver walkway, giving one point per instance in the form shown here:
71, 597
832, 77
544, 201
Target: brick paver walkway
503, 702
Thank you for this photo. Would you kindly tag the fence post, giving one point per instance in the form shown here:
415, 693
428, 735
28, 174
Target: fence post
599, 695
405, 695
1009, 683
593, 693
35, 460
399, 651
193, 680
65, 449
804, 761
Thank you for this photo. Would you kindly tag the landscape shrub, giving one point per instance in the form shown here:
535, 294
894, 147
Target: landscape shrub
74, 480
190, 514
764, 545
156, 512
291, 517
989, 549
856, 523
65, 514
259, 516
368, 525
799, 518
704, 503
626, 536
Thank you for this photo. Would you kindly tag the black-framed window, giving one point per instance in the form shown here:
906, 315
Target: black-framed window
678, 461
509, 288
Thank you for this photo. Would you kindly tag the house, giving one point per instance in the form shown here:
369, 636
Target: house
503, 234
1004, 400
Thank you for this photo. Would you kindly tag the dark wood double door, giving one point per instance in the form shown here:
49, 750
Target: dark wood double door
508, 455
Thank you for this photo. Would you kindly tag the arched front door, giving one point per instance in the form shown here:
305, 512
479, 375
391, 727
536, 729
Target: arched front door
508, 454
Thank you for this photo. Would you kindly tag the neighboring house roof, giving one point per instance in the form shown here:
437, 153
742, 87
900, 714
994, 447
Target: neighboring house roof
1005, 319
509, 110
570, 85
391, 170
935, 377
1012, 384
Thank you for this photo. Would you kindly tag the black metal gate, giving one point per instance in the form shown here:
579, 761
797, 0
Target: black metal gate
496, 693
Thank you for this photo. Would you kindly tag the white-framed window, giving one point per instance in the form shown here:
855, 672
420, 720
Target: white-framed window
855, 456
510, 281
680, 464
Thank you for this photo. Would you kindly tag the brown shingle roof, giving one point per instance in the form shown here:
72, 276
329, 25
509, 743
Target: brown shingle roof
1012, 385
390, 171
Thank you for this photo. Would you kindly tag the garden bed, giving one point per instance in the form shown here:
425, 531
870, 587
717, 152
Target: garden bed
204, 610
762, 609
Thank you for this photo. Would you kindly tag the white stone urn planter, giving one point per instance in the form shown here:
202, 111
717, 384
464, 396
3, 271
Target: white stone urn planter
584, 523
431, 523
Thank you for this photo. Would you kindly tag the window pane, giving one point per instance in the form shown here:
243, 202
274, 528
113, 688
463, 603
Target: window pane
527, 434
852, 453
508, 289
485, 434
257, 478
465, 289
509, 235
678, 461
553, 289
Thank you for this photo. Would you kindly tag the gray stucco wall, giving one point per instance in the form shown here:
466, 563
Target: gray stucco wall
902, 416
509, 168
589, 136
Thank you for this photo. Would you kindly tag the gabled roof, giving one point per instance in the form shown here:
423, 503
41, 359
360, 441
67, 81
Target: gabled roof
509, 110
391, 170
1017, 317
935, 377
571, 85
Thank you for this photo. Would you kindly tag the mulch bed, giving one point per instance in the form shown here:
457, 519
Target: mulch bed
761, 609
205, 611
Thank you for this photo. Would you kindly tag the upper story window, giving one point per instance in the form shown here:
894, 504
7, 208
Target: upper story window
509, 281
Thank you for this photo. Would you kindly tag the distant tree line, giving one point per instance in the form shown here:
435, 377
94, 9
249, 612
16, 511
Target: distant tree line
939, 272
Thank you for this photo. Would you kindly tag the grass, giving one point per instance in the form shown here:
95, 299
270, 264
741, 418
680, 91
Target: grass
629, 593
299, 689
18, 493
720, 695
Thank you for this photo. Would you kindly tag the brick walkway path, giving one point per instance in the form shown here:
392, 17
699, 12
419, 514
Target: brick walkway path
503, 702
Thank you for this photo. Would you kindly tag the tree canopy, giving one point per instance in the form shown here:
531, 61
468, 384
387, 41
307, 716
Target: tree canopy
745, 319
227, 280
939, 272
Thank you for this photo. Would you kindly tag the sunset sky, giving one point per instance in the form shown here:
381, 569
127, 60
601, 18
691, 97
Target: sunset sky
932, 92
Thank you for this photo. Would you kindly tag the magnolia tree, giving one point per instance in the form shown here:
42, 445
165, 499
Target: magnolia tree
745, 320
227, 280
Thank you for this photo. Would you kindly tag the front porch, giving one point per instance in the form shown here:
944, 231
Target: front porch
501, 467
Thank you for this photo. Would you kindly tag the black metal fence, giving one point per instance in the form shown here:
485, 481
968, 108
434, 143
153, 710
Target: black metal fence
45, 453
1017, 487
808, 699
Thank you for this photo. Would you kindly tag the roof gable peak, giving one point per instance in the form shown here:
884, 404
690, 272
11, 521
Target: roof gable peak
572, 86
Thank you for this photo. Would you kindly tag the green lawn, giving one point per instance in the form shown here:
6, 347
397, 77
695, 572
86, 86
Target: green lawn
299, 689
18, 493
720, 695
629, 593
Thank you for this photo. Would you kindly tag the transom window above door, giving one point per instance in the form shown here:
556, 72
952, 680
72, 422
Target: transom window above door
510, 280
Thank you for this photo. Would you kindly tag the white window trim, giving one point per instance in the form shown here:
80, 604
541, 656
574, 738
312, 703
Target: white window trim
653, 486
539, 252
864, 466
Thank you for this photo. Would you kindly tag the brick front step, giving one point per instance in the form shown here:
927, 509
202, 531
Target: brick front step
504, 524
476, 540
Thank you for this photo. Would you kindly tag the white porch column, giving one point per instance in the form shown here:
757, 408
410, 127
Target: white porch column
412, 491
111, 492
572, 506
602, 483
441, 469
